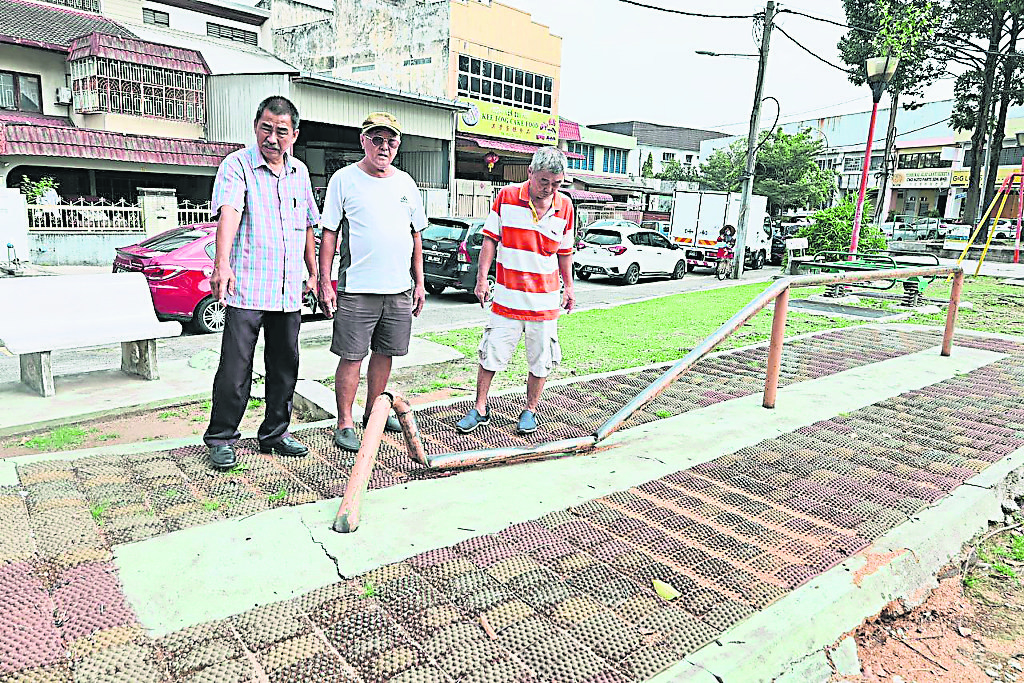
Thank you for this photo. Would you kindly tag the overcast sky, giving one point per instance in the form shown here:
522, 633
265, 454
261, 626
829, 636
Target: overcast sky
621, 62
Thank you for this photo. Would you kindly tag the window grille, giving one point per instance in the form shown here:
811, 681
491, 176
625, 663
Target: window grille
101, 84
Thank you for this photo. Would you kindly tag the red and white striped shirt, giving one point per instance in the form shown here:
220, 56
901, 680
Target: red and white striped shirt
527, 255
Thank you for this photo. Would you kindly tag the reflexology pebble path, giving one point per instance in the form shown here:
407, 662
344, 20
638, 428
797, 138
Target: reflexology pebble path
566, 597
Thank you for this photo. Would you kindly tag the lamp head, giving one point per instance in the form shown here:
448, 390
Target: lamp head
880, 72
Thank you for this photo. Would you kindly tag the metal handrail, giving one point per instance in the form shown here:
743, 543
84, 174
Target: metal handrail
778, 293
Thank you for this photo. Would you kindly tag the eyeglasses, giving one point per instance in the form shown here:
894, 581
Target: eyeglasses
380, 140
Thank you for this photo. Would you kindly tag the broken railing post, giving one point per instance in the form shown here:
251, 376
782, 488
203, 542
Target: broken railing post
347, 519
954, 305
410, 431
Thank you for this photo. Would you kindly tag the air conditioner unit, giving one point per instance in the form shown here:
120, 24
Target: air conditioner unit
63, 95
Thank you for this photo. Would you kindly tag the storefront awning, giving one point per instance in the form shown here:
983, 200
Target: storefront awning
135, 51
586, 195
64, 140
568, 130
617, 185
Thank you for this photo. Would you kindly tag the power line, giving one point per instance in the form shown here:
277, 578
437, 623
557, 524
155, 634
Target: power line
810, 52
688, 14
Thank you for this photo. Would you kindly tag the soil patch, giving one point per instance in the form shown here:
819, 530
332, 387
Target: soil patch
970, 629
171, 422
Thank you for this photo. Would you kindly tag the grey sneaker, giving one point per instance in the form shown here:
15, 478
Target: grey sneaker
346, 439
527, 422
473, 420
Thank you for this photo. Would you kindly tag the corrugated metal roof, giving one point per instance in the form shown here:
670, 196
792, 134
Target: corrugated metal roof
52, 140
50, 27
221, 57
502, 145
137, 51
657, 135
586, 195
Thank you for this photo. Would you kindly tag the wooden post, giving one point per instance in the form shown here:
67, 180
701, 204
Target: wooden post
347, 519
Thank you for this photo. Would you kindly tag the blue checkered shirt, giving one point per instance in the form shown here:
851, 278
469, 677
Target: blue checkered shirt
267, 254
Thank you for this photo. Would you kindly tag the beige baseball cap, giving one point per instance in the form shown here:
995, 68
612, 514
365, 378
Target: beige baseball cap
382, 119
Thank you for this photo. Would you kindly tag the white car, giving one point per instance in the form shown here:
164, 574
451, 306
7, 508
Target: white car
1005, 229
898, 231
627, 253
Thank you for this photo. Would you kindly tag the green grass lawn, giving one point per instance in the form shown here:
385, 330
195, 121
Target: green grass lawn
665, 329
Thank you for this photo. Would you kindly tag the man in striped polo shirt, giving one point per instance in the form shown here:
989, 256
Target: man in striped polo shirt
530, 232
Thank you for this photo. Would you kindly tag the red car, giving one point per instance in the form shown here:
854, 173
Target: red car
178, 264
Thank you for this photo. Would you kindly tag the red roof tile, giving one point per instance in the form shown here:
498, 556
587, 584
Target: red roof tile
23, 138
586, 195
568, 130
137, 51
50, 27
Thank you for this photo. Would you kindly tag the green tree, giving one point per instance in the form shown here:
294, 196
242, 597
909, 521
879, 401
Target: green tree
648, 170
786, 171
902, 29
673, 170
34, 189
831, 230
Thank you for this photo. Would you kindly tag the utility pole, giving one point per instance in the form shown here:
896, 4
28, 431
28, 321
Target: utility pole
742, 226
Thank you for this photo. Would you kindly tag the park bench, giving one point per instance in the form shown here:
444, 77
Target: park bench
39, 315
841, 262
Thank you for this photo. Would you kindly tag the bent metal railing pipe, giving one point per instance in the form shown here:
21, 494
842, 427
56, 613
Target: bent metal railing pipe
777, 292
347, 519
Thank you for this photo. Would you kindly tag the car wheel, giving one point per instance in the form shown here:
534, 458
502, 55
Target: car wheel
759, 260
679, 270
582, 274
433, 287
209, 317
632, 275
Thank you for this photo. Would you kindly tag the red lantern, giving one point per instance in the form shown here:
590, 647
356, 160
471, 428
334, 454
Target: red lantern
491, 159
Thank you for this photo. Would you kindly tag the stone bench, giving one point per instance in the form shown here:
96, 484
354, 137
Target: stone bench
39, 315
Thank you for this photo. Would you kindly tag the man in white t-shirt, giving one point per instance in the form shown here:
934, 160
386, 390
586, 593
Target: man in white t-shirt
378, 212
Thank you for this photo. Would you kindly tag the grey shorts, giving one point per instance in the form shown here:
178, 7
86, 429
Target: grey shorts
378, 322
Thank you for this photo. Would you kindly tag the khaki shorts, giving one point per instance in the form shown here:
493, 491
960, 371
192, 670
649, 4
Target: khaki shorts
502, 335
378, 322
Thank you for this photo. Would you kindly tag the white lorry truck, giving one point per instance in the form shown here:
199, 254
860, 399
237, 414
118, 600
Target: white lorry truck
698, 217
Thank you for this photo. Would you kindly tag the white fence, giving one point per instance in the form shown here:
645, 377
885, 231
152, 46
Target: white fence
81, 216
189, 213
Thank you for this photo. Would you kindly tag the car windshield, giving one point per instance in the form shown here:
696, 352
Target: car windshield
174, 239
602, 237
444, 231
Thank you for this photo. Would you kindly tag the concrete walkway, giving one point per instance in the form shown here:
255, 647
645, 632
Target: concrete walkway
779, 530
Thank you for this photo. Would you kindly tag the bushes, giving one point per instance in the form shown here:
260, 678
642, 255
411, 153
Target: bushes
831, 230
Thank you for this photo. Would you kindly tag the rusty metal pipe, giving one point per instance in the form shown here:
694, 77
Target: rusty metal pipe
347, 519
410, 431
689, 360
771, 380
490, 456
951, 312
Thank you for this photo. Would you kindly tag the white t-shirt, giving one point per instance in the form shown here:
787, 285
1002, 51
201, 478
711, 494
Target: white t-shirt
375, 219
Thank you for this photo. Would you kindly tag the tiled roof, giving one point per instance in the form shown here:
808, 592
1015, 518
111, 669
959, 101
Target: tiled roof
49, 26
586, 195
29, 139
138, 52
568, 130
657, 135
501, 145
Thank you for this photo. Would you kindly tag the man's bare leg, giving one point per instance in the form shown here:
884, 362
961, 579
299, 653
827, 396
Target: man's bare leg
346, 383
534, 385
483, 385
377, 374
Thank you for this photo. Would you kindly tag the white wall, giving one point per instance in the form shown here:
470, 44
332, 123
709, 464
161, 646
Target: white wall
195, 22
657, 152
49, 66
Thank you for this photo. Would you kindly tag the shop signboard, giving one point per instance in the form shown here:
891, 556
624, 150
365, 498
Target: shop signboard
962, 177
510, 123
924, 178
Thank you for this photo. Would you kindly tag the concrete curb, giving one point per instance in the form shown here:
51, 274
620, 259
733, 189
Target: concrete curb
789, 640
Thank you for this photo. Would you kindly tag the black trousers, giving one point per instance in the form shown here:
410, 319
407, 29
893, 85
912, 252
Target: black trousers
233, 381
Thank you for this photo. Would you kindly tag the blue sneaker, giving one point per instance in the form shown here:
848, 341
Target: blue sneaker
527, 422
473, 420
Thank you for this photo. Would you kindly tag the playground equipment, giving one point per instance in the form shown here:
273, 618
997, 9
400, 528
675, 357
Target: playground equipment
845, 262
1007, 187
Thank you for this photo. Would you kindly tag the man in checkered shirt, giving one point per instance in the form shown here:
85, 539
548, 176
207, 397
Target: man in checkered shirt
265, 218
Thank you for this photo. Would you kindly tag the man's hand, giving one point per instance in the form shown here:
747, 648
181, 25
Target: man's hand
222, 282
569, 298
310, 284
419, 297
482, 291
328, 297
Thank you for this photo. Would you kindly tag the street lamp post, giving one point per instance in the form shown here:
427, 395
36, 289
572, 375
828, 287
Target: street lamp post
880, 72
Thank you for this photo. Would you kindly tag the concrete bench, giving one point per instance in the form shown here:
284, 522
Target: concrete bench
39, 315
